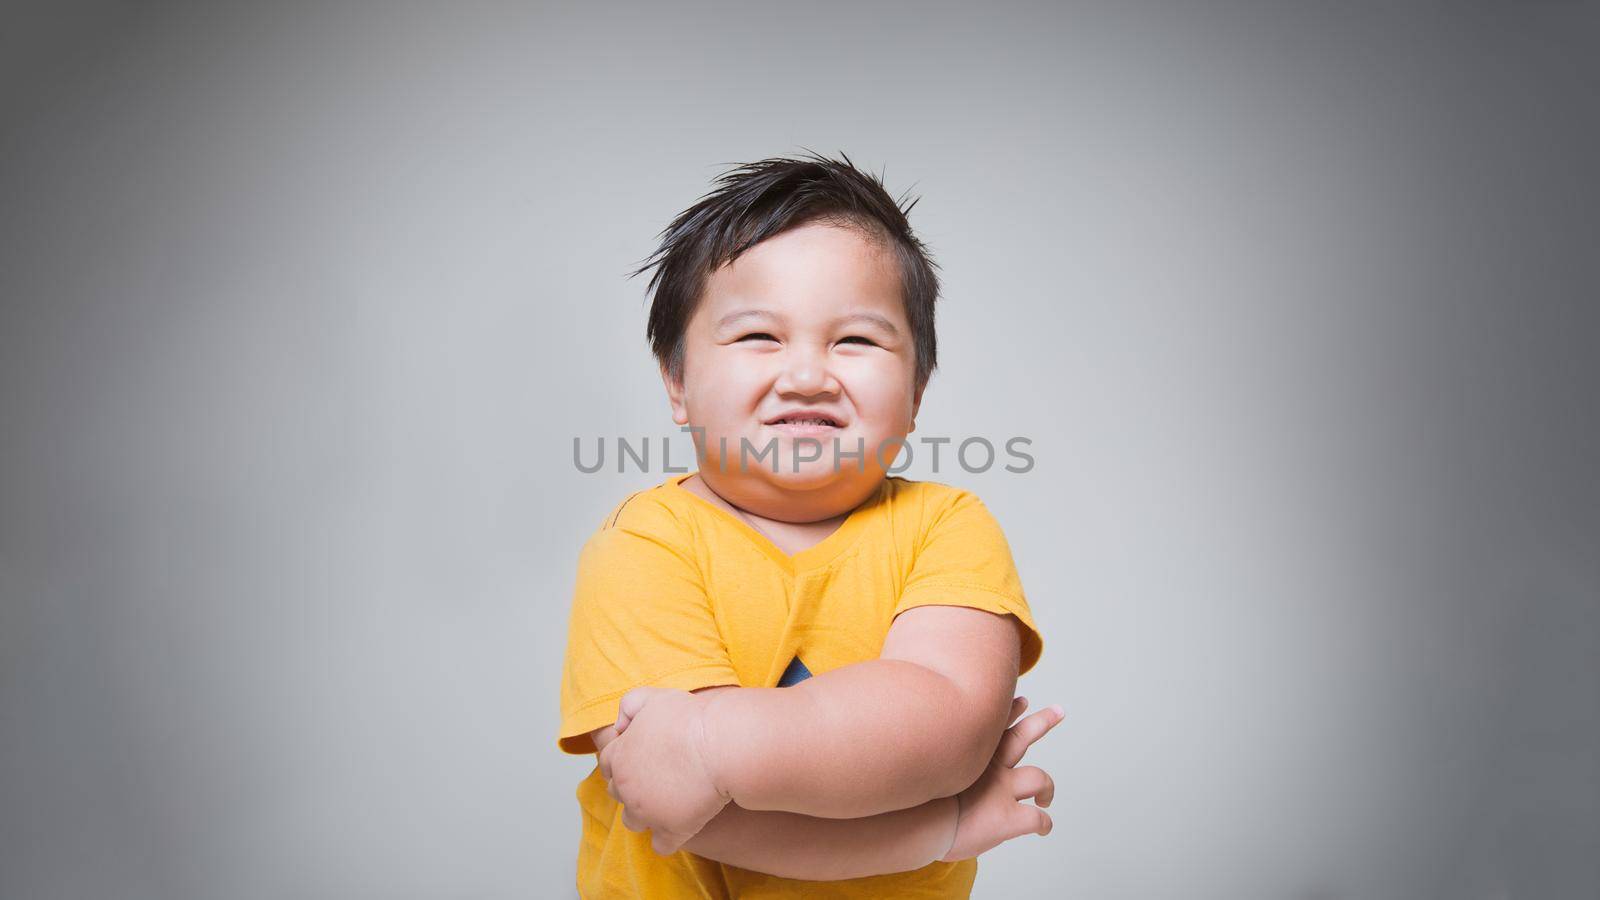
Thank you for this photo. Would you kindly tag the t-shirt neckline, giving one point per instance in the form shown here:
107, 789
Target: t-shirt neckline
816, 556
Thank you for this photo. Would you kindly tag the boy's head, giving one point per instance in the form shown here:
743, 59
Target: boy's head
796, 285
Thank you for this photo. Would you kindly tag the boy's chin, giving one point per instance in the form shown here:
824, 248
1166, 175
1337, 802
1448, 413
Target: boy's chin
819, 475
808, 476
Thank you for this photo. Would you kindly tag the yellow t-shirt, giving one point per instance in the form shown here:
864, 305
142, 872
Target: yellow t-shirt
674, 591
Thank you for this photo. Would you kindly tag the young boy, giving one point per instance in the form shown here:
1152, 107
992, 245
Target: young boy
797, 669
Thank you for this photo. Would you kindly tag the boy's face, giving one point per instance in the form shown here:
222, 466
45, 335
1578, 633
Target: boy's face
813, 319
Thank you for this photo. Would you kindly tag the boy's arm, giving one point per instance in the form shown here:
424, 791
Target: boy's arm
919, 723
791, 845
984, 815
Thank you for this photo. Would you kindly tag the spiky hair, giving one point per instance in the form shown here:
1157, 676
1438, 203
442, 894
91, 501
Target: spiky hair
755, 201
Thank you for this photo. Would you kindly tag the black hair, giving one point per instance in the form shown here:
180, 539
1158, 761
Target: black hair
755, 201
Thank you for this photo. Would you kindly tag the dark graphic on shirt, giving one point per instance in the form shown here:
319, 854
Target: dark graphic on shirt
796, 673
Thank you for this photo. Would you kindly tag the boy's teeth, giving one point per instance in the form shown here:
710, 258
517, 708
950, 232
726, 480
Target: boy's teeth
804, 422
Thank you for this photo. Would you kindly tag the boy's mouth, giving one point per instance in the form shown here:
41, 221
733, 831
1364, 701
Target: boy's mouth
806, 418
805, 422
804, 426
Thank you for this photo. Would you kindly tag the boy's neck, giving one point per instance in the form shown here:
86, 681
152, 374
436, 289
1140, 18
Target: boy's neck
783, 524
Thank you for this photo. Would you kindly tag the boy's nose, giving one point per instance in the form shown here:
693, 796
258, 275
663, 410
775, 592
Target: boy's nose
804, 372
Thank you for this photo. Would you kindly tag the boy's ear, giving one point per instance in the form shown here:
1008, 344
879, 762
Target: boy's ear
916, 404
680, 413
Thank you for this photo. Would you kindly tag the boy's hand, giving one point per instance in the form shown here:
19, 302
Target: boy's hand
658, 766
990, 811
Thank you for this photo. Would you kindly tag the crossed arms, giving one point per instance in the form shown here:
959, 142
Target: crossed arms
853, 772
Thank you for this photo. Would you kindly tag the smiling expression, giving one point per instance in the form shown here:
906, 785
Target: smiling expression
802, 339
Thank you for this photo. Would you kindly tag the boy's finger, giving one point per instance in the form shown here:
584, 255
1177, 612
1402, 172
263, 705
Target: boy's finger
1036, 783
1019, 737
1031, 820
629, 706
606, 753
1015, 742
1032, 781
1028, 819
630, 821
666, 843
1018, 706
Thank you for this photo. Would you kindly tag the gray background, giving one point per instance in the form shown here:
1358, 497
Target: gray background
302, 309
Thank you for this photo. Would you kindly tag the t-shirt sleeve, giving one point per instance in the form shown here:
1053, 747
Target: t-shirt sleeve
640, 616
965, 560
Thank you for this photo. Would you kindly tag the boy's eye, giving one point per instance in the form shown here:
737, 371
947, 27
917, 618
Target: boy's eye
758, 334
857, 337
